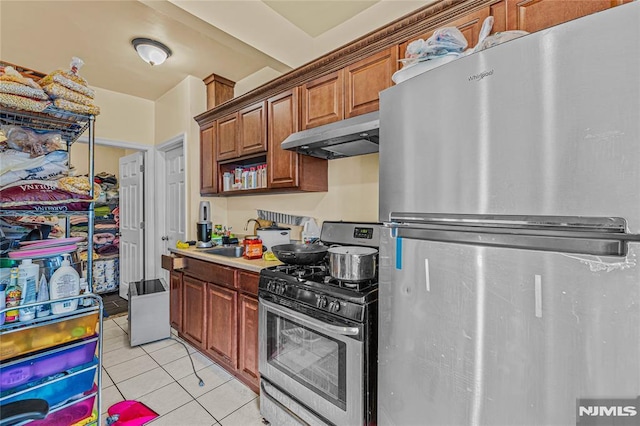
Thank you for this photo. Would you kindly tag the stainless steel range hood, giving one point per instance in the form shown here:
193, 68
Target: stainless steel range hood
345, 138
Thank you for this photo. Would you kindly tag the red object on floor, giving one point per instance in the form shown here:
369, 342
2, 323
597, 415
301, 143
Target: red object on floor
130, 413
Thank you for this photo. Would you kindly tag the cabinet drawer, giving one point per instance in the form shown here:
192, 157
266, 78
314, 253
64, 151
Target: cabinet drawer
210, 272
248, 282
171, 262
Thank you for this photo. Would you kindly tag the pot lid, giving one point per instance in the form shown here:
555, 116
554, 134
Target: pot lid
353, 250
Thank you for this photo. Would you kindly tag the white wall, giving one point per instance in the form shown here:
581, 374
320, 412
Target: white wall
174, 116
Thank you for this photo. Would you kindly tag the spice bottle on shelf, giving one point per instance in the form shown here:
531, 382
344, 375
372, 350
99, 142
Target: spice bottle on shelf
227, 181
13, 294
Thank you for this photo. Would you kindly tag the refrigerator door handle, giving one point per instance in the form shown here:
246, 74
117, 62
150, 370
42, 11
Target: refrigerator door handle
567, 241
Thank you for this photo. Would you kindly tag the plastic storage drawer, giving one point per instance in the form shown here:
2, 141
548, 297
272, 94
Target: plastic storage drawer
35, 337
68, 415
43, 364
56, 390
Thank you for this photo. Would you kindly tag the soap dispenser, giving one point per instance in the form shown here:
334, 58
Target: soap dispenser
65, 282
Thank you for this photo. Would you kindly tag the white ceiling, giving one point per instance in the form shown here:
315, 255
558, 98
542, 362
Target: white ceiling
233, 39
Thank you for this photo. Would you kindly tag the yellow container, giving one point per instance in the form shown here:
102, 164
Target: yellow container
21, 341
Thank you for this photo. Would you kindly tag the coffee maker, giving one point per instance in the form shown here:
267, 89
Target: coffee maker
204, 226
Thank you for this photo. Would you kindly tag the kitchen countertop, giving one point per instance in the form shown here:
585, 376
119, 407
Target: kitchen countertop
236, 262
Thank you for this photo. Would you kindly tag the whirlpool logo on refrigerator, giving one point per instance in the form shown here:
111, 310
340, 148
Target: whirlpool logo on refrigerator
608, 412
480, 76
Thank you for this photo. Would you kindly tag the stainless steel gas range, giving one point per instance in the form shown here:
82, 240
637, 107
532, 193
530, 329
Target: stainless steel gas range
318, 339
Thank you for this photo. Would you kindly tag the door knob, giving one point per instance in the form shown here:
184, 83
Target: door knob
165, 238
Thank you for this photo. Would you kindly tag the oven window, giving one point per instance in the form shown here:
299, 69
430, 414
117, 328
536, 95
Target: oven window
312, 359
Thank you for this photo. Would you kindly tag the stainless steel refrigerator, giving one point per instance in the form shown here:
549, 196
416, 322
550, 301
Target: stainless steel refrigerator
510, 190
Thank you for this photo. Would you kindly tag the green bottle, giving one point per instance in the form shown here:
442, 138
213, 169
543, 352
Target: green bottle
13, 295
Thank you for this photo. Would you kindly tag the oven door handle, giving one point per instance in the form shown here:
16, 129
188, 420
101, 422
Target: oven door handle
344, 331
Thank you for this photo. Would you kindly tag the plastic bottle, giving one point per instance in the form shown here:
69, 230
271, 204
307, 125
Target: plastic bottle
13, 294
43, 309
84, 289
264, 176
310, 232
28, 281
65, 282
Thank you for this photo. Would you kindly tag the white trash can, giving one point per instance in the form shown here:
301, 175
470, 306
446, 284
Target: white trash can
148, 311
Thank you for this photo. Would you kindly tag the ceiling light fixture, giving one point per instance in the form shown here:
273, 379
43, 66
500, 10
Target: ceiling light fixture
151, 51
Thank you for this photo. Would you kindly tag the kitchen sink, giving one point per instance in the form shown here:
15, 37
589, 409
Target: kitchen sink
228, 251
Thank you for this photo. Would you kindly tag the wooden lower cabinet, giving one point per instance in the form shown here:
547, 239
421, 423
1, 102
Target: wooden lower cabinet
215, 308
222, 324
248, 337
194, 310
175, 300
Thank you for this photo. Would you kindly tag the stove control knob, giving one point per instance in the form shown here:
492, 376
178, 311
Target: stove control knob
282, 288
334, 306
271, 286
322, 302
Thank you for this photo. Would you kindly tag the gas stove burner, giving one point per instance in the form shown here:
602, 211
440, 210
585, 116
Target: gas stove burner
303, 272
359, 285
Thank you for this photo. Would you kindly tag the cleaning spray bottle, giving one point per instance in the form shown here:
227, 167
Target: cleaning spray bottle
65, 282
28, 282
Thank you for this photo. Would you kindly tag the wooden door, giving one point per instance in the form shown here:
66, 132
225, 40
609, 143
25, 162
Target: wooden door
253, 129
282, 167
227, 137
248, 337
208, 172
322, 100
175, 300
248, 282
365, 79
222, 324
194, 310
535, 15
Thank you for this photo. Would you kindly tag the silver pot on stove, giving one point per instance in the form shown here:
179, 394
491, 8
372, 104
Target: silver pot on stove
353, 263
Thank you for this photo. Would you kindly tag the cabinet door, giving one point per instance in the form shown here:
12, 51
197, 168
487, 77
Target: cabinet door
208, 172
248, 336
227, 137
194, 310
222, 324
248, 282
365, 79
175, 300
469, 25
322, 100
253, 129
282, 167
536, 15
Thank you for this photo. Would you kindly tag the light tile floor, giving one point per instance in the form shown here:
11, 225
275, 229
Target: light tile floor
160, 375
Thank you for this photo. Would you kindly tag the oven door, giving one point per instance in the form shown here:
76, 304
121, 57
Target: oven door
316, 363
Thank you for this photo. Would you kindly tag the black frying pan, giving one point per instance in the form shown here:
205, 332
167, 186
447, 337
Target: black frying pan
300, 254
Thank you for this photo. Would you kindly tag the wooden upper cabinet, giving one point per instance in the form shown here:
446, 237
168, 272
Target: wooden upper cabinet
535, 15
253, 129
283, 121
322, 100
227, 137
208, 172
365, 79
469, 25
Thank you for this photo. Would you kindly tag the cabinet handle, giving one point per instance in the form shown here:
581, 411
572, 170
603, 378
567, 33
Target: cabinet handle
165, 238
